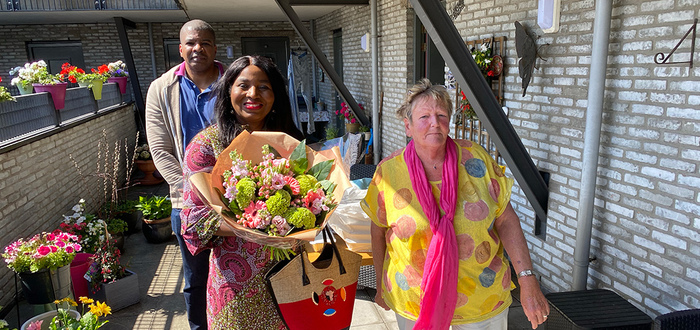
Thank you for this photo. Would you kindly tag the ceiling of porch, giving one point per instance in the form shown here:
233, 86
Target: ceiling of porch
209, 10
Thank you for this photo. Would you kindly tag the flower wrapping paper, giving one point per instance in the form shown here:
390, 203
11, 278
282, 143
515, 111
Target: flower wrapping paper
249, 145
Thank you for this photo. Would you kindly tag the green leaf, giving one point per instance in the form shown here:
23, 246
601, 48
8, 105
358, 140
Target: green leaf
328, 186
299, 152
321, 170
299, 166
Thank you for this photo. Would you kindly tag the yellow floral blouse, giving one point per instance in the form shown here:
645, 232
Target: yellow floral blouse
484, 273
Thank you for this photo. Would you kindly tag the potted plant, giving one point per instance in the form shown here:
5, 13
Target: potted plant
365, 130
156, 218
125, 210
352, 125
116, 228
331, 132
117, 74
64, 317
87, 227
145, 164
110, 281
5, 95
92, 80
26, 76
54, 84
43, 264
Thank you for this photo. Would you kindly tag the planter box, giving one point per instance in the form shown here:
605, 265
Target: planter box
120, 293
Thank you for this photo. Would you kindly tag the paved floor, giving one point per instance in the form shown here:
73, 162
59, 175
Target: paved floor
162, 304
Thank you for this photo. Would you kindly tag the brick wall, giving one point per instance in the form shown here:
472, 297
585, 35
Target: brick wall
39, 182
101, 45
646, 223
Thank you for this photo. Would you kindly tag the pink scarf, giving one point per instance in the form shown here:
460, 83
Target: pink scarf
439, 283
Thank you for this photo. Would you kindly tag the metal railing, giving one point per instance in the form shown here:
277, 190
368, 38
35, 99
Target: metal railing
78, 5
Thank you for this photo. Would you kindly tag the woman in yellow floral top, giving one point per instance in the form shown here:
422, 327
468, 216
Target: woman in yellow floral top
441, 218
251, 95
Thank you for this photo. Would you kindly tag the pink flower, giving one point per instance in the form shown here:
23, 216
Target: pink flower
314, 201
36, 325
69, 249
293, 184
43, 250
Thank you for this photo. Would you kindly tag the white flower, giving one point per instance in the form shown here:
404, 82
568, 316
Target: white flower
483, 47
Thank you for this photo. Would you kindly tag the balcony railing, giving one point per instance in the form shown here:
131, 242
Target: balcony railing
59, 5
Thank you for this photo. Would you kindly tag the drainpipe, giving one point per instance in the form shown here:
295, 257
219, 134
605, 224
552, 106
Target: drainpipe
375, 84
594, 114
153, 51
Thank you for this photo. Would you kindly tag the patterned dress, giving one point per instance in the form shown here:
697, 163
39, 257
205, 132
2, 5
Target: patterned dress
483, 287
237, 296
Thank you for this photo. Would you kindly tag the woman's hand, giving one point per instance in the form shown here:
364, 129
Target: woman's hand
535, 305
379, 300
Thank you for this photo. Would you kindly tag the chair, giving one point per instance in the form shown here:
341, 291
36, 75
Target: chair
360, 171
679, 320
367, 275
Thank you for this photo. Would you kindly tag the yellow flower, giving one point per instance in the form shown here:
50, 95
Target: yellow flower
86, 300
100, 309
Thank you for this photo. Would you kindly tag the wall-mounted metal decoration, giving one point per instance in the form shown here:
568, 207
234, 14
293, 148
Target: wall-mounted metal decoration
527, 52
457, 9
663, 60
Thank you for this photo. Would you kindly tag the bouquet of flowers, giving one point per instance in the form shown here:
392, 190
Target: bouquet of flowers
44, 250
277, 197
117, 69
28, 74
345, 112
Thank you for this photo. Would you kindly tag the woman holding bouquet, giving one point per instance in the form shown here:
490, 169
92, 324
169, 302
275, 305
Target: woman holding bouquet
250, 96
441, 219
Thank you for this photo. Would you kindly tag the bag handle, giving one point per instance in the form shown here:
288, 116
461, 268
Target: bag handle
333, 242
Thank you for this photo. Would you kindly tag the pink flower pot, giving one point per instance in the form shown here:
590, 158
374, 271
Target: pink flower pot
121, 81
57, 91
78, 268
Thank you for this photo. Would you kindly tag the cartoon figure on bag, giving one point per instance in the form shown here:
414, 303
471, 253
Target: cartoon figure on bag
328, 297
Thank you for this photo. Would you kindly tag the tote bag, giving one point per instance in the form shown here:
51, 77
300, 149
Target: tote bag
318, 295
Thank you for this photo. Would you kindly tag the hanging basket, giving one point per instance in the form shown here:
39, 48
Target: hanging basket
46, 285
25, 90
57, 92
121, 81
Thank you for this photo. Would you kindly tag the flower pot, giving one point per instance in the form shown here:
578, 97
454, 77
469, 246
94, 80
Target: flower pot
119, 237
57, 91
78, 268
352, 128
121, 81
147, 167
120, 293
157, 231
95, 86
46, 285
25, 90
47, 317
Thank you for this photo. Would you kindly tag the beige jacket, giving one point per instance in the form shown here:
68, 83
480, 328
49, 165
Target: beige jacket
164, 131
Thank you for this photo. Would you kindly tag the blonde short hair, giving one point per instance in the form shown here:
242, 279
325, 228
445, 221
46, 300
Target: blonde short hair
424, 88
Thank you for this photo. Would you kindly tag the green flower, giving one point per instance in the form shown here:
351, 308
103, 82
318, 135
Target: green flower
306, 183
246, 192
278, 203
300, 217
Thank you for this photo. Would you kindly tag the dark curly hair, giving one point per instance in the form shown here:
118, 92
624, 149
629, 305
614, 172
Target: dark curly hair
279, 119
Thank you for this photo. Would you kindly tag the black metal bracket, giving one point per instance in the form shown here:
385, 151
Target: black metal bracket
122, 24
661, 59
